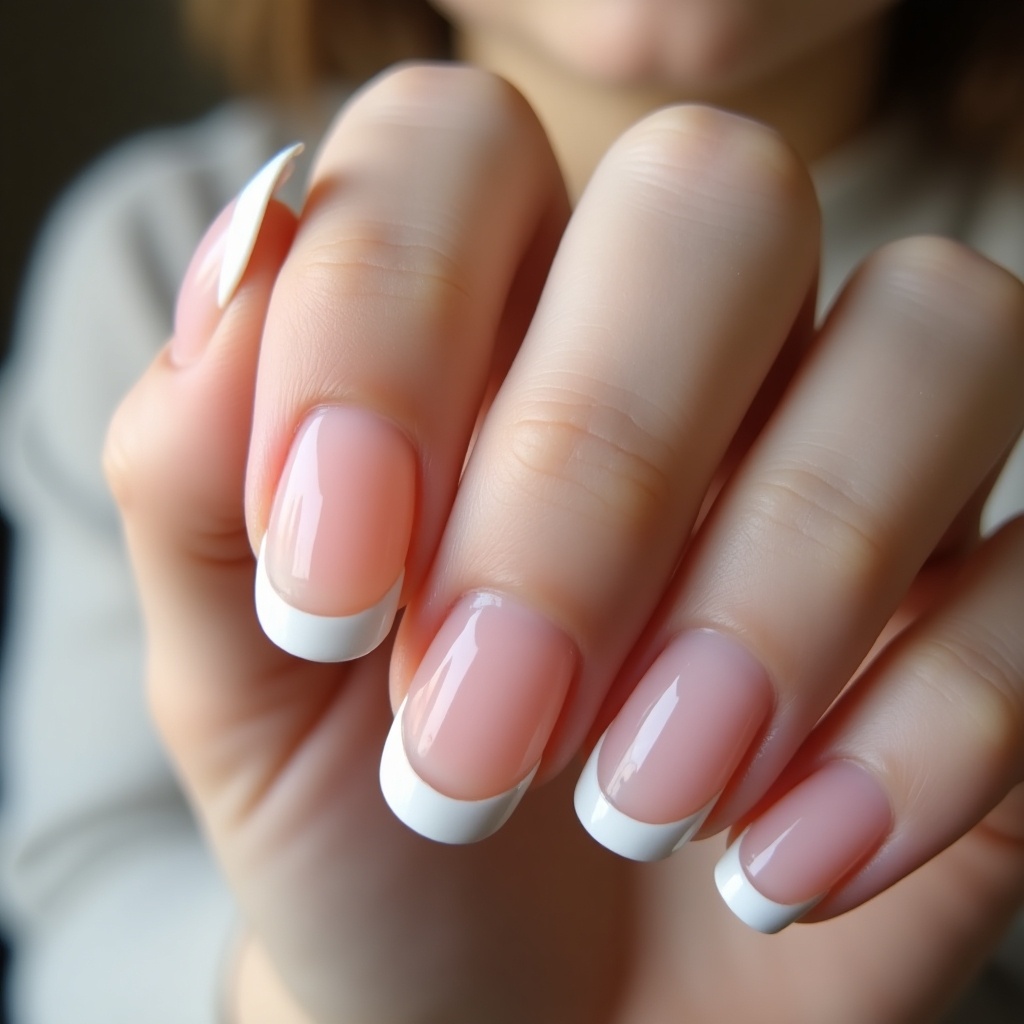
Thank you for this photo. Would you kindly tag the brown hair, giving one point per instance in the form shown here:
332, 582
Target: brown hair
289, 46
960, 63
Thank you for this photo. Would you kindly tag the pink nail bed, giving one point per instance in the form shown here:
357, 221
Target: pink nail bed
786, 862
486, 697
816, 834
342, 518
196, 312
659, 769
684, 729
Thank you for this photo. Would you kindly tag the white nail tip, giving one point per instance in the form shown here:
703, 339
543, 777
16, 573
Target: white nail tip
247, 217
322, 637
637, 840
432, 814
753, 909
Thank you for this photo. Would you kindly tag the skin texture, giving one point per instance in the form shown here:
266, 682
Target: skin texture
413, 275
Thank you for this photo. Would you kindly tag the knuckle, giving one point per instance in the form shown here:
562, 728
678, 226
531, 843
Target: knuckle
802, 510
693, 151
595, 461
378, 258
971, 669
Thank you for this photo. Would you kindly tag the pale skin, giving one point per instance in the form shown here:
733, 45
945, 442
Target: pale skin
426, 259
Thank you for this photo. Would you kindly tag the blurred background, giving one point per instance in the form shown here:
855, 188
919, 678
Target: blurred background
76, 76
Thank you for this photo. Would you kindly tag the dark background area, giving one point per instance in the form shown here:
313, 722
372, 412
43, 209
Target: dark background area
76, 76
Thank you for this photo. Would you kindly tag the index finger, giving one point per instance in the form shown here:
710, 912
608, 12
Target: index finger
432, 191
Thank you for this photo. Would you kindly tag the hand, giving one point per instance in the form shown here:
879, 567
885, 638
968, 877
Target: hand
671, 360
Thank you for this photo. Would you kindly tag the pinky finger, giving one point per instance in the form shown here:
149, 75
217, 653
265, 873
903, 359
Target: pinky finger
926, 744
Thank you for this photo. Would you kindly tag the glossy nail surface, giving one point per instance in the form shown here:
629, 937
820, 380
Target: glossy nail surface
339, 531
662, 763
802, 846
477, 717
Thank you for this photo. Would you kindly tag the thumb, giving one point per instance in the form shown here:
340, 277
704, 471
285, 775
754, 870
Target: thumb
175, 460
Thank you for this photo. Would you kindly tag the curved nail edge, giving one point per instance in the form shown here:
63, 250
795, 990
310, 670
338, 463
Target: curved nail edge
626, 836
753, 909
323, 638
247, 218
432, 814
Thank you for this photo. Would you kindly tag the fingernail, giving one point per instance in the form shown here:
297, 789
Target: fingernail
246, 217
787, 860
331, 566
469, 736
220, 260
661, 765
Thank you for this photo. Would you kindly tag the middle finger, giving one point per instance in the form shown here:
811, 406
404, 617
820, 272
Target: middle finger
676, 285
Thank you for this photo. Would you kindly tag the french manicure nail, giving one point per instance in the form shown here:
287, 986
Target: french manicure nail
787, 860
247, 216
221, 258
331, 567
469, 736
658, 770
196, 313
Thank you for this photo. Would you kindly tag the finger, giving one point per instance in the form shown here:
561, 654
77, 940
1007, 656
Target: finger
175, 459
662, 315
917, 754
912, 393
279, 755
433, 190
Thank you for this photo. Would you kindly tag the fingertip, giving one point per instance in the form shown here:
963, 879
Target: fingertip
623, 834
247, 215
753, 908
322, 638
431, 813
251, 229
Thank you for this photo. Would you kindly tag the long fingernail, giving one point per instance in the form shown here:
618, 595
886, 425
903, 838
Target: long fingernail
331, 566
790, 857
656, 773
220, 260
246, 217
469, 736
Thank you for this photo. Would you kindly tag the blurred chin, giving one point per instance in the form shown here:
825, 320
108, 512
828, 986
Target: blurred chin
702, 47
696, 46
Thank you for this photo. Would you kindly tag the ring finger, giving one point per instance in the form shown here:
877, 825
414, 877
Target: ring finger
910, 396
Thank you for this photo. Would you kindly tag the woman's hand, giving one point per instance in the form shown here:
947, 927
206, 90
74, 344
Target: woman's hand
574, 574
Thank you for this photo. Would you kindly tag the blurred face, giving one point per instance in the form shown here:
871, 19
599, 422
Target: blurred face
697, 46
